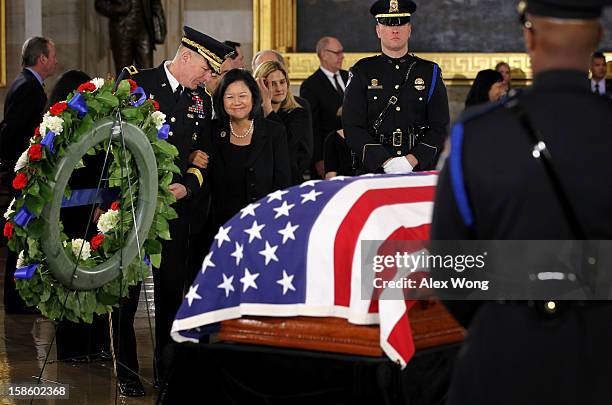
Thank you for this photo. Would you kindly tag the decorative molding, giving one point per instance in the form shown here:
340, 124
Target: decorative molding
457, 68
274, 25
2, 43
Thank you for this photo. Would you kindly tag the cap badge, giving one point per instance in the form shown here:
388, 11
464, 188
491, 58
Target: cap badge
393, 6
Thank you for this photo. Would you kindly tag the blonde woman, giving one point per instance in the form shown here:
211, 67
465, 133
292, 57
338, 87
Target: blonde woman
281, 106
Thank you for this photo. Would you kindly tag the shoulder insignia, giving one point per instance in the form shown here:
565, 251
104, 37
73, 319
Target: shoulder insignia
132, 70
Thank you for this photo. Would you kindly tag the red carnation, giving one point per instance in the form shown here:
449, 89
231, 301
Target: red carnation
133, 85
88, 86
57, 108
115, 206
8, 230
96, 241
20, 181
35, 152
155, 104
37, 132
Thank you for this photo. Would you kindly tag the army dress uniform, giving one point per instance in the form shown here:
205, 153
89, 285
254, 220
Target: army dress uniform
413, 94
190, 126
495, 187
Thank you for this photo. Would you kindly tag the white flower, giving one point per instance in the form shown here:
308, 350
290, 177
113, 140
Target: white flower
22, 161
9, 210
159, 119
98, 82
108, 221
76, 249
49, 122
20, 260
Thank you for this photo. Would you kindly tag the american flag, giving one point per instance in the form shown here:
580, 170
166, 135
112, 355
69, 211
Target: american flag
297, 252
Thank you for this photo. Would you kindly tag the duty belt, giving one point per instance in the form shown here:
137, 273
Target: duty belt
399, 138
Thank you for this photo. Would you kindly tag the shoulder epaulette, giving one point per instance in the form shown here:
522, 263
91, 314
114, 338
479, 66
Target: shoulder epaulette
132, 70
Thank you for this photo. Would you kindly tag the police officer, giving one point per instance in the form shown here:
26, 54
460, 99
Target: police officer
395, 111
535, 167
175, 85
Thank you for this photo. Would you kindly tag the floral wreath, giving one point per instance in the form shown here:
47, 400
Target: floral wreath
96, 117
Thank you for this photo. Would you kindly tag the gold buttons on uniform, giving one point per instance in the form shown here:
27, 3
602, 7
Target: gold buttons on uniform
397, 109
397, 67
197, 123
420, 98
194, 136
396, 86
375, 97
223, 134
170, 133
550, 306
172, 119
399, 152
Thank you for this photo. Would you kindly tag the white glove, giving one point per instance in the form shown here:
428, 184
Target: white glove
398, 165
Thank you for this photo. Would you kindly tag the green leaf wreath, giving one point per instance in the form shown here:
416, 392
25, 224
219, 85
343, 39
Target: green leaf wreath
66, 123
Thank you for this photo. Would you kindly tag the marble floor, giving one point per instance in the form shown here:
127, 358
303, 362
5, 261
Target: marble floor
24, 343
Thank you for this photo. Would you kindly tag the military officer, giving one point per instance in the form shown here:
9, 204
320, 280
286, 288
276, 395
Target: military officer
176, 86
395, 112
535, 167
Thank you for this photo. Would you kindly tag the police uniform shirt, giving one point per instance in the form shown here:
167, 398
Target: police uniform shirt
422, 102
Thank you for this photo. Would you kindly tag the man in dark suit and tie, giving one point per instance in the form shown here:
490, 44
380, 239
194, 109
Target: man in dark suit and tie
23, 109
324, 90
599, 84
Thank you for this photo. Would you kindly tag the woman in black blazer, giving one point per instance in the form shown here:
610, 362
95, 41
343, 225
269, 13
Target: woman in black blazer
281, 106
249, 153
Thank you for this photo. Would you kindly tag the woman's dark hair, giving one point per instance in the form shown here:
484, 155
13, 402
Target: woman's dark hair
67, 82
479, 93
237, 75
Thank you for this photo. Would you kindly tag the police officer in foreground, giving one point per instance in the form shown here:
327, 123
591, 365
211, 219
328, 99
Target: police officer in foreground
535, 167
175, 85
395, 111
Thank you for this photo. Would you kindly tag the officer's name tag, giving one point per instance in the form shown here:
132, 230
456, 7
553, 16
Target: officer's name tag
378, 87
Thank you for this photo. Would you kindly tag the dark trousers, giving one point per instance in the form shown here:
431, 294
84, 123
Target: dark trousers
124, 337
82, 340
171, 280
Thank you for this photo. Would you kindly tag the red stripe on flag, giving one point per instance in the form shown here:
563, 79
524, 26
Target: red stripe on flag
348, 232
400, 337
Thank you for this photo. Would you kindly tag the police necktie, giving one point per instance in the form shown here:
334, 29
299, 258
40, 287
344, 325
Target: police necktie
338, 87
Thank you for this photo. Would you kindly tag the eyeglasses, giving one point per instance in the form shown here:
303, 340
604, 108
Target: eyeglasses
337, 53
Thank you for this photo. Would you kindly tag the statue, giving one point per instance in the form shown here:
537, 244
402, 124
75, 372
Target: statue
135, 26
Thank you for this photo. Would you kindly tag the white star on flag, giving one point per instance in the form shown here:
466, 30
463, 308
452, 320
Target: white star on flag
311, 196
277, 195
283, 210
222, 235
286, 282
193, 294
227, 285
309, 183
248, 280
207, 262
248, 210
238, 253
288, 232
254, 231
269, 253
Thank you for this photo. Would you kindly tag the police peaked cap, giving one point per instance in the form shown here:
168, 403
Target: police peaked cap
564, 9
213, 51
393, 12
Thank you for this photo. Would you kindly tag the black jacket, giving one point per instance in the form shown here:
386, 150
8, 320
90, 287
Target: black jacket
267, 168
298, 126
189, 122
23, 110
324, 102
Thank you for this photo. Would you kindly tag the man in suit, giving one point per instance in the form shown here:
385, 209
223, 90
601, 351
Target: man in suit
23, 109
547, 349
324, 90
131, 30
599, 84
176, 86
